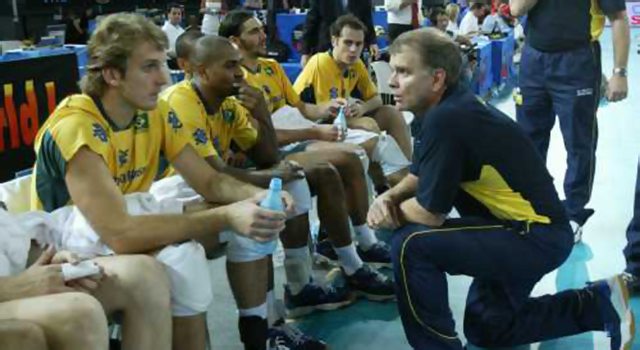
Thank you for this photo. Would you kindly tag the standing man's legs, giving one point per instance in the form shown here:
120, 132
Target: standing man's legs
572, 84
534, 110
632, 250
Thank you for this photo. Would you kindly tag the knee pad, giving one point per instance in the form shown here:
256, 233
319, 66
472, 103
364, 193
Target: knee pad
242, 249
189, 276
299, 190
389, 155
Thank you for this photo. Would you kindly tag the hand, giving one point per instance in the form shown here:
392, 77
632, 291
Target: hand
250, 97
374, 50
86, 284
287, 171
329, 133
332, 107
355, 110
237, 159
303, 60
617, 88
41, 278
247, 218
383, 213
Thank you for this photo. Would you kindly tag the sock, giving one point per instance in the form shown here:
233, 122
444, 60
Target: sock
349, 259
272, 314
259, 311
253, 332
297, 268
365, 236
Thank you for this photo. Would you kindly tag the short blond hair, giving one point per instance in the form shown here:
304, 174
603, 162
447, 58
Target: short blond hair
452, 11
113, 43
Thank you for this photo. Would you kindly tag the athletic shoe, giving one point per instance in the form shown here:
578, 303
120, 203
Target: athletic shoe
616, 311
378, 255
371, 284
314, 297
283, 336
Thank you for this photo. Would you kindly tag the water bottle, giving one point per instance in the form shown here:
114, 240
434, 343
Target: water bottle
341, 123
273, 201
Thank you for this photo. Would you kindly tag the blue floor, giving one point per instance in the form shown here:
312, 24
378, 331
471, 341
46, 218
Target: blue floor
373, 326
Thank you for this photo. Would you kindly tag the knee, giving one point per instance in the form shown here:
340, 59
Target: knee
19, 334
388, 116
349, 165
79, 315
326, 173
145, 280
369, 124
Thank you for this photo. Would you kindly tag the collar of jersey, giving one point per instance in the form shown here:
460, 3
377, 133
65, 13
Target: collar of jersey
106, 116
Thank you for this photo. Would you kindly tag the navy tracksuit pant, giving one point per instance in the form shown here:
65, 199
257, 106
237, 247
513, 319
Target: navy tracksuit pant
505, 262
632, 250
565, 84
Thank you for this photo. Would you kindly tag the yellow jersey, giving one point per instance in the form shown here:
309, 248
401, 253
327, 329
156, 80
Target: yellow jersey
131, 154
212, 132
274, 83
322, 80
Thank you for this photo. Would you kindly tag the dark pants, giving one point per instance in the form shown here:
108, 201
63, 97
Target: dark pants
632, 250
506, 263
396, 29
563, 84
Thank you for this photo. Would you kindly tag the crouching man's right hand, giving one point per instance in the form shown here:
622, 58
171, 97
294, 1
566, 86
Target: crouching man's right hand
249, 219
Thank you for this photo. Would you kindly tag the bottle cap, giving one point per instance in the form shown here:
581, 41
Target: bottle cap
276, 184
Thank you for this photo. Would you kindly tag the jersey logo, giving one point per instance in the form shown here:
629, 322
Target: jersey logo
141, 123
200, 137
123, 157
228, 116
174, 121
269, 71
333, 93
99, 132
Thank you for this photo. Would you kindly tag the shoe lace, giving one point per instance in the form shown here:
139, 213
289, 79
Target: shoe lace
294, 334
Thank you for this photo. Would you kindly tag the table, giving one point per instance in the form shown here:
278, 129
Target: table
80, 51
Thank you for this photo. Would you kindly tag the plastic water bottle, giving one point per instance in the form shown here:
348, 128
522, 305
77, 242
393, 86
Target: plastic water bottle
341, 123
273, 200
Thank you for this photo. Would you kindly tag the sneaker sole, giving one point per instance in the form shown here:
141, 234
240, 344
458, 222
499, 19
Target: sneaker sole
306, 310
322, 260
378, 265
620, 301
374, 297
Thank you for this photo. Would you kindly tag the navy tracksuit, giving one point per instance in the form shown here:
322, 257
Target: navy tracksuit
632, 250
565, 84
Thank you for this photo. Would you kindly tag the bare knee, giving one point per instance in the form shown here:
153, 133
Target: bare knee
388, 116
76, 318
323, 173
368, 124
146, 278
19, 334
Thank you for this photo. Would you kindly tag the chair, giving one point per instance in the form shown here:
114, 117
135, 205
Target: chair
380, 73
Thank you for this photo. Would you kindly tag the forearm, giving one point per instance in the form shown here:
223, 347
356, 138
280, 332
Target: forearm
265, 152
371, 105
521, 7
411, 211
226, 189
145, 233
286, 137
621, 39
313, 112
404, 190
11, 288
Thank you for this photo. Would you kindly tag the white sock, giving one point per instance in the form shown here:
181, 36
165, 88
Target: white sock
297, 268
260, 311
349, 259
365, 236
272, 312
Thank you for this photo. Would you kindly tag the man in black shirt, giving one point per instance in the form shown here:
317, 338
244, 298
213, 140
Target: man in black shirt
513, 228
560, 75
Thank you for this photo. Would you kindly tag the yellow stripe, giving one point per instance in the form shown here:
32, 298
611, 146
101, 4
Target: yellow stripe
404, 274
